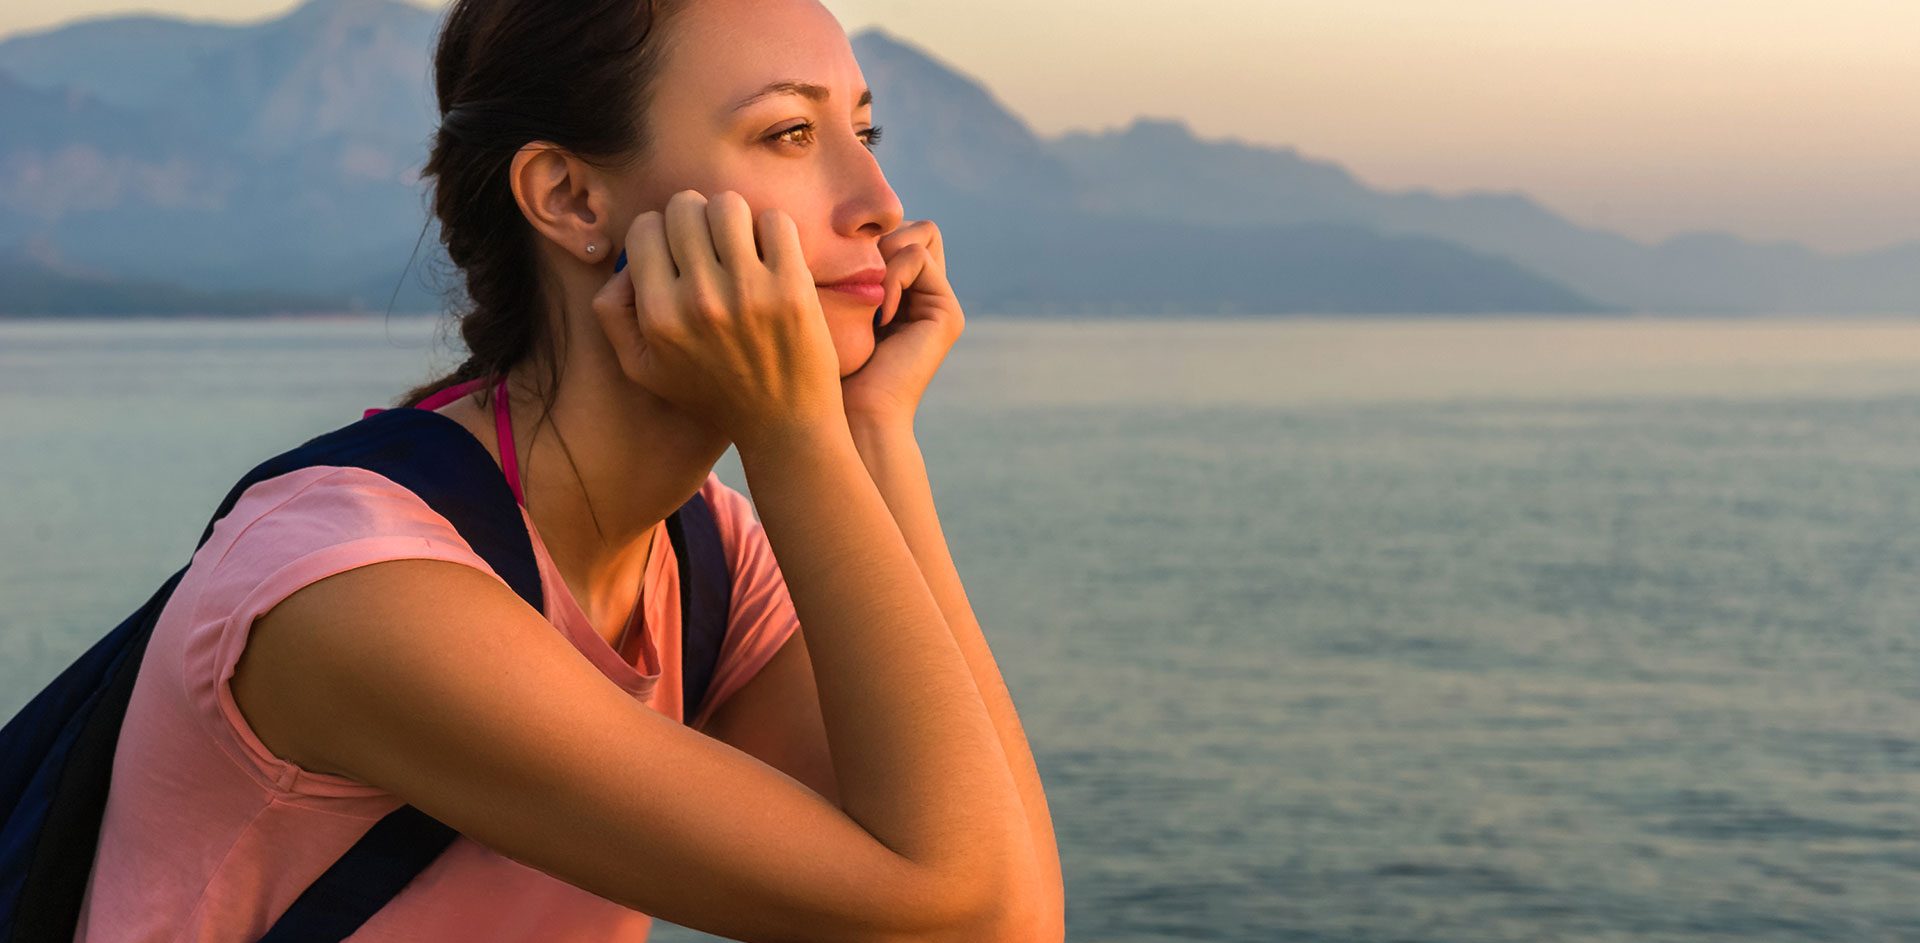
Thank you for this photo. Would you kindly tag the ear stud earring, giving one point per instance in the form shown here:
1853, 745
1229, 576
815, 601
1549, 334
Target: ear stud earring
591, 248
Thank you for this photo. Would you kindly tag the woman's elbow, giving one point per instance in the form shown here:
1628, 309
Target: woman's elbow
1025, 909
1022, 925
992, 911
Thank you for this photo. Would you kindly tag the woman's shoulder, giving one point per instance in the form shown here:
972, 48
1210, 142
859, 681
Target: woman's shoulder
295, 528
283, 534
286, 516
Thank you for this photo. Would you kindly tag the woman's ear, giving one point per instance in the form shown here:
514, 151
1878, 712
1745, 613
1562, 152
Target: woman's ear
564, 198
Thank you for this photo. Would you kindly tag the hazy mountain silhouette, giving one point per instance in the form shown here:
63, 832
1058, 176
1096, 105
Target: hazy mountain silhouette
282, 157
1158, 169
290, 157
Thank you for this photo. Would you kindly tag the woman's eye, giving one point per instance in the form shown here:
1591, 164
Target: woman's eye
870, 137
782, 135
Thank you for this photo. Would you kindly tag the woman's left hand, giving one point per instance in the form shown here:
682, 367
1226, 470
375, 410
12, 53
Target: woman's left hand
916, 325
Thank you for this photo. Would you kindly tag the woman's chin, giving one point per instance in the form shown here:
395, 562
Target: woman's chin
854, 354
853, 340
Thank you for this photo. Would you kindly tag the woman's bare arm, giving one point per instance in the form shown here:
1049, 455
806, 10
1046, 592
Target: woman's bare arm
970, 810
521, 744
893, 459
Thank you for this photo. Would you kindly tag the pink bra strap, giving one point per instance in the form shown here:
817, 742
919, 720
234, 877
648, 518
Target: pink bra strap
437, 400
448, 394
503, 430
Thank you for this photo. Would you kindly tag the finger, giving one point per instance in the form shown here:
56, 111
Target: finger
906, 267
613, 307
617, 293
689, 237
921, 231
647, 250
927, 233
651, 275
731, 222
779, 240
932, 277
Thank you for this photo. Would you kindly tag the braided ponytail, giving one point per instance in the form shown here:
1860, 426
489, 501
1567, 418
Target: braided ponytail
507, 73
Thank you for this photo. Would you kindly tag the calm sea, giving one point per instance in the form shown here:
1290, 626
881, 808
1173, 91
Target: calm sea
1500, 630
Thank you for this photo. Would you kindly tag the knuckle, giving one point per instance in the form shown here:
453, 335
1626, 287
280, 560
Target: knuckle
642, 223
705, 302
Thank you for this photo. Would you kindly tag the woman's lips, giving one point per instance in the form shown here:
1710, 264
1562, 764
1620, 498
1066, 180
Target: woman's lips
873, 293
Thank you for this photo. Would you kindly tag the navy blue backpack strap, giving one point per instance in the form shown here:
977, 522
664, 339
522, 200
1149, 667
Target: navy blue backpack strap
706, 596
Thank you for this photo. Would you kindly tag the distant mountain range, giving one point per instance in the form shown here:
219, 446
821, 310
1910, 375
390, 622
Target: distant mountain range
152, 165
1159, 170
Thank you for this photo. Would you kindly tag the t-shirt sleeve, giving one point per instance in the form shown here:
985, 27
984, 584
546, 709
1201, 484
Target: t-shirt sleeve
285, 533
761, 617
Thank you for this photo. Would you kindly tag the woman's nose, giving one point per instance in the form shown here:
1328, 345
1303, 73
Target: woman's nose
869, 198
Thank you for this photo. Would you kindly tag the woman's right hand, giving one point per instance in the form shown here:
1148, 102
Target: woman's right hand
723, 329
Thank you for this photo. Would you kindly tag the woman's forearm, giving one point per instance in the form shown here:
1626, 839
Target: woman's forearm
914, 751
893, 459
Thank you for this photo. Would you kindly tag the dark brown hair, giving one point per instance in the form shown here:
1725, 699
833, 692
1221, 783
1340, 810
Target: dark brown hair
507, 73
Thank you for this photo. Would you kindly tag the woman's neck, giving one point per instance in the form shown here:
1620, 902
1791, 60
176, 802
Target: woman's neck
601, 472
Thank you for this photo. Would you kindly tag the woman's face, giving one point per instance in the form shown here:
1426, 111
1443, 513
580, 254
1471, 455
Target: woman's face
805, 154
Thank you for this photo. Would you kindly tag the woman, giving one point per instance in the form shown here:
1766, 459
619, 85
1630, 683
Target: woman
336, 650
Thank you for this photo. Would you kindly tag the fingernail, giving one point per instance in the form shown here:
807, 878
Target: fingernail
621, 262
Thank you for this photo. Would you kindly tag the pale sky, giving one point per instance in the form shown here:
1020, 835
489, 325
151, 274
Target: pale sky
1774, 119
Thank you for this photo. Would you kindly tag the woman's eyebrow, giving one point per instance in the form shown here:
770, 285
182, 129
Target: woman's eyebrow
818, 93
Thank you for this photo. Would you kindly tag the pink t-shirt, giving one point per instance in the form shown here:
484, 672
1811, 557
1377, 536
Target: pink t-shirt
209, 836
